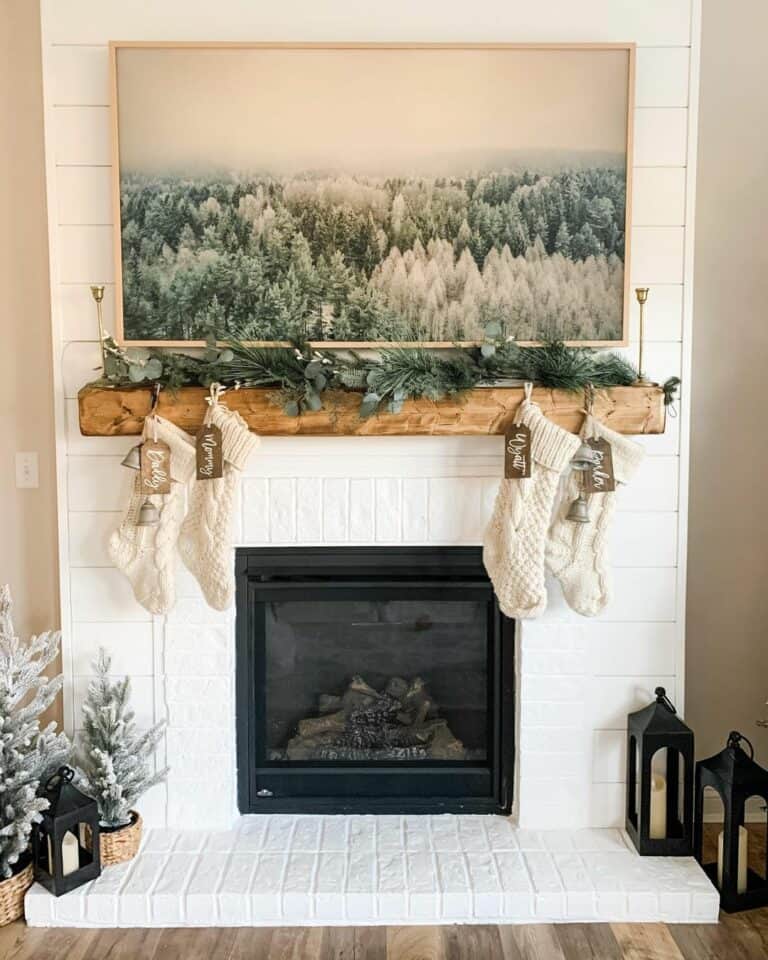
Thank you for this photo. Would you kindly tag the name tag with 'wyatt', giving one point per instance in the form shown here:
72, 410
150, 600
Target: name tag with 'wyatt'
517, 452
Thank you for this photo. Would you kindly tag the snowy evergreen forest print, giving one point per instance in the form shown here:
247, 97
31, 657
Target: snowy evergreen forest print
524, 240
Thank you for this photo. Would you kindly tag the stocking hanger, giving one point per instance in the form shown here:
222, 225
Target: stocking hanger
527, 393
589, 406
152, 415
589, 399
215, 392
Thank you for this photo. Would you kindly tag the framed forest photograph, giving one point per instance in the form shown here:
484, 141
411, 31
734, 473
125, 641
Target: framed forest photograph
371, 194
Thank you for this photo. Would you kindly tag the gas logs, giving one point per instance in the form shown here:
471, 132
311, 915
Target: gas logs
399, 723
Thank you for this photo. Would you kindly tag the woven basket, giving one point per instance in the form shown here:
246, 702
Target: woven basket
12, 893
119, 845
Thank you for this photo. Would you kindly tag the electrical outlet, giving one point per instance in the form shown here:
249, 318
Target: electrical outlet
27, 471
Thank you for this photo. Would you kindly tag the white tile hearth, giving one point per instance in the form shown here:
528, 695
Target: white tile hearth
361, 870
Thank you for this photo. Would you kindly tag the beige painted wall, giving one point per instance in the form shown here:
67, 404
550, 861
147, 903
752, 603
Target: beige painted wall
28, 542
727, 624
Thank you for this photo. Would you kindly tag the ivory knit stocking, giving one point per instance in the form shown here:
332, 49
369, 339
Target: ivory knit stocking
513, 546
146, 555
205, 543
576, 552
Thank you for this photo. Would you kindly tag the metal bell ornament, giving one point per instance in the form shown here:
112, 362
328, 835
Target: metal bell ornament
582, 461
583, 458
149, 515
579, 509
132, 459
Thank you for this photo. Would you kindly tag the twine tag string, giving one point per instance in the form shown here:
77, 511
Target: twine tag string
153, 410
215, 392
589, 431
527, 393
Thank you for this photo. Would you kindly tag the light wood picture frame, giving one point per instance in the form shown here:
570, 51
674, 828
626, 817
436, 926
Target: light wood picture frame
371, 194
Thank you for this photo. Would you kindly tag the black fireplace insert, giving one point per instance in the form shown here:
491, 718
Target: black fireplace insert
372, 680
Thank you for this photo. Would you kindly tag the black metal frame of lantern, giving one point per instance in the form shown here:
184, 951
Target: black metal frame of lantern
651, 729
735, 777
69, 809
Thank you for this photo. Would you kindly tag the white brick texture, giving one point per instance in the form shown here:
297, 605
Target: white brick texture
302, 870
577, 678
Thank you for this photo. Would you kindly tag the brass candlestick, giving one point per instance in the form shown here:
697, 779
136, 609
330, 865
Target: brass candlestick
97, 292
642, 296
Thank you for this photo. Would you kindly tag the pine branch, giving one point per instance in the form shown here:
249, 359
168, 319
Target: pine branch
403, 373
556, 365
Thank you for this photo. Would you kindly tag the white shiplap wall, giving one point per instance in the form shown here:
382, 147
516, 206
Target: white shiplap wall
578, 677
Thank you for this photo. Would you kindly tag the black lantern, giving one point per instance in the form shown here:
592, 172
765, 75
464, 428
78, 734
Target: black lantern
659, 795
65, 844
736, 777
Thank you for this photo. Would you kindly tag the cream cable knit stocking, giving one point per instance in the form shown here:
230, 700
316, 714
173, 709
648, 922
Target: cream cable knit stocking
146, 554
205, 543
513, 546
576, 552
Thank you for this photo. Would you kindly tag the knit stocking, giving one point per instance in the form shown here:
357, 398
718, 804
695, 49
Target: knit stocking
146, 554
576, 552
205, 543
513, 546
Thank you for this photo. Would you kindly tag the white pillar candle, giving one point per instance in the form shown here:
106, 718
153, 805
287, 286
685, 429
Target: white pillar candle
742, 861
658, 807
70, 854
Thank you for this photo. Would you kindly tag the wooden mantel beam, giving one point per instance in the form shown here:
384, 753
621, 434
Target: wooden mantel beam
107, 412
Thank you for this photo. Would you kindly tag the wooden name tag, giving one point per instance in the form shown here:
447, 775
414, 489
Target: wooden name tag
208, 452
155, 467
517, 452
599, 478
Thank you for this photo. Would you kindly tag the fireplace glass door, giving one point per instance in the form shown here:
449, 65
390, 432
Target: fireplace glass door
376, 681
371, 679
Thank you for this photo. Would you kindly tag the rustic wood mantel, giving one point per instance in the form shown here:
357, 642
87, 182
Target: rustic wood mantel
107, 412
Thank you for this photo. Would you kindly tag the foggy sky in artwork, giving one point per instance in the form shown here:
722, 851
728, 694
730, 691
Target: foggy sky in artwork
370, 111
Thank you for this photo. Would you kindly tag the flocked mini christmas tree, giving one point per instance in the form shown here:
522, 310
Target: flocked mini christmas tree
116, 766
28, 755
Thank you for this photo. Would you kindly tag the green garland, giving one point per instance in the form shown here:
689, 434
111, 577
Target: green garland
301, 374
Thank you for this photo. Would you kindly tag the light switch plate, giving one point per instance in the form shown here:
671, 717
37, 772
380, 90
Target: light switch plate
27, 471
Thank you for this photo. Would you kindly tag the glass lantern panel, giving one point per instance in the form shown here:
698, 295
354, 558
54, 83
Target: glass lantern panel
756, 827
84, 834
634, 784
70, 853
714, 818
43, 849
667, 793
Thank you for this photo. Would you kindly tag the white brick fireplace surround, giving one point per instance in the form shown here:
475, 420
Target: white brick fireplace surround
577, 678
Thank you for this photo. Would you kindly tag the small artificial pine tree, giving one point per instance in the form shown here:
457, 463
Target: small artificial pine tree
115, 760
28, 755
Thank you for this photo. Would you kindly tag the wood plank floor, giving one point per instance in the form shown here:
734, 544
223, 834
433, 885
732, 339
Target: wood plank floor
737, 937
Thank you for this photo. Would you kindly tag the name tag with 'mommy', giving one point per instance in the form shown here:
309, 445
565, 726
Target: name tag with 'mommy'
208, 452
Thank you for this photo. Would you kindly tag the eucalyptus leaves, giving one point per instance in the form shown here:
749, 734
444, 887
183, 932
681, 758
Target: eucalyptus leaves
301, 374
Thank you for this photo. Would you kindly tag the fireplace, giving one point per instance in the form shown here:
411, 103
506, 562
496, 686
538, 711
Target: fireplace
372, 679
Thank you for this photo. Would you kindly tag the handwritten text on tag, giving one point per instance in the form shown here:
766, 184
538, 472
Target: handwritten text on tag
517, 452
208, 452
599, 478
155, 467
